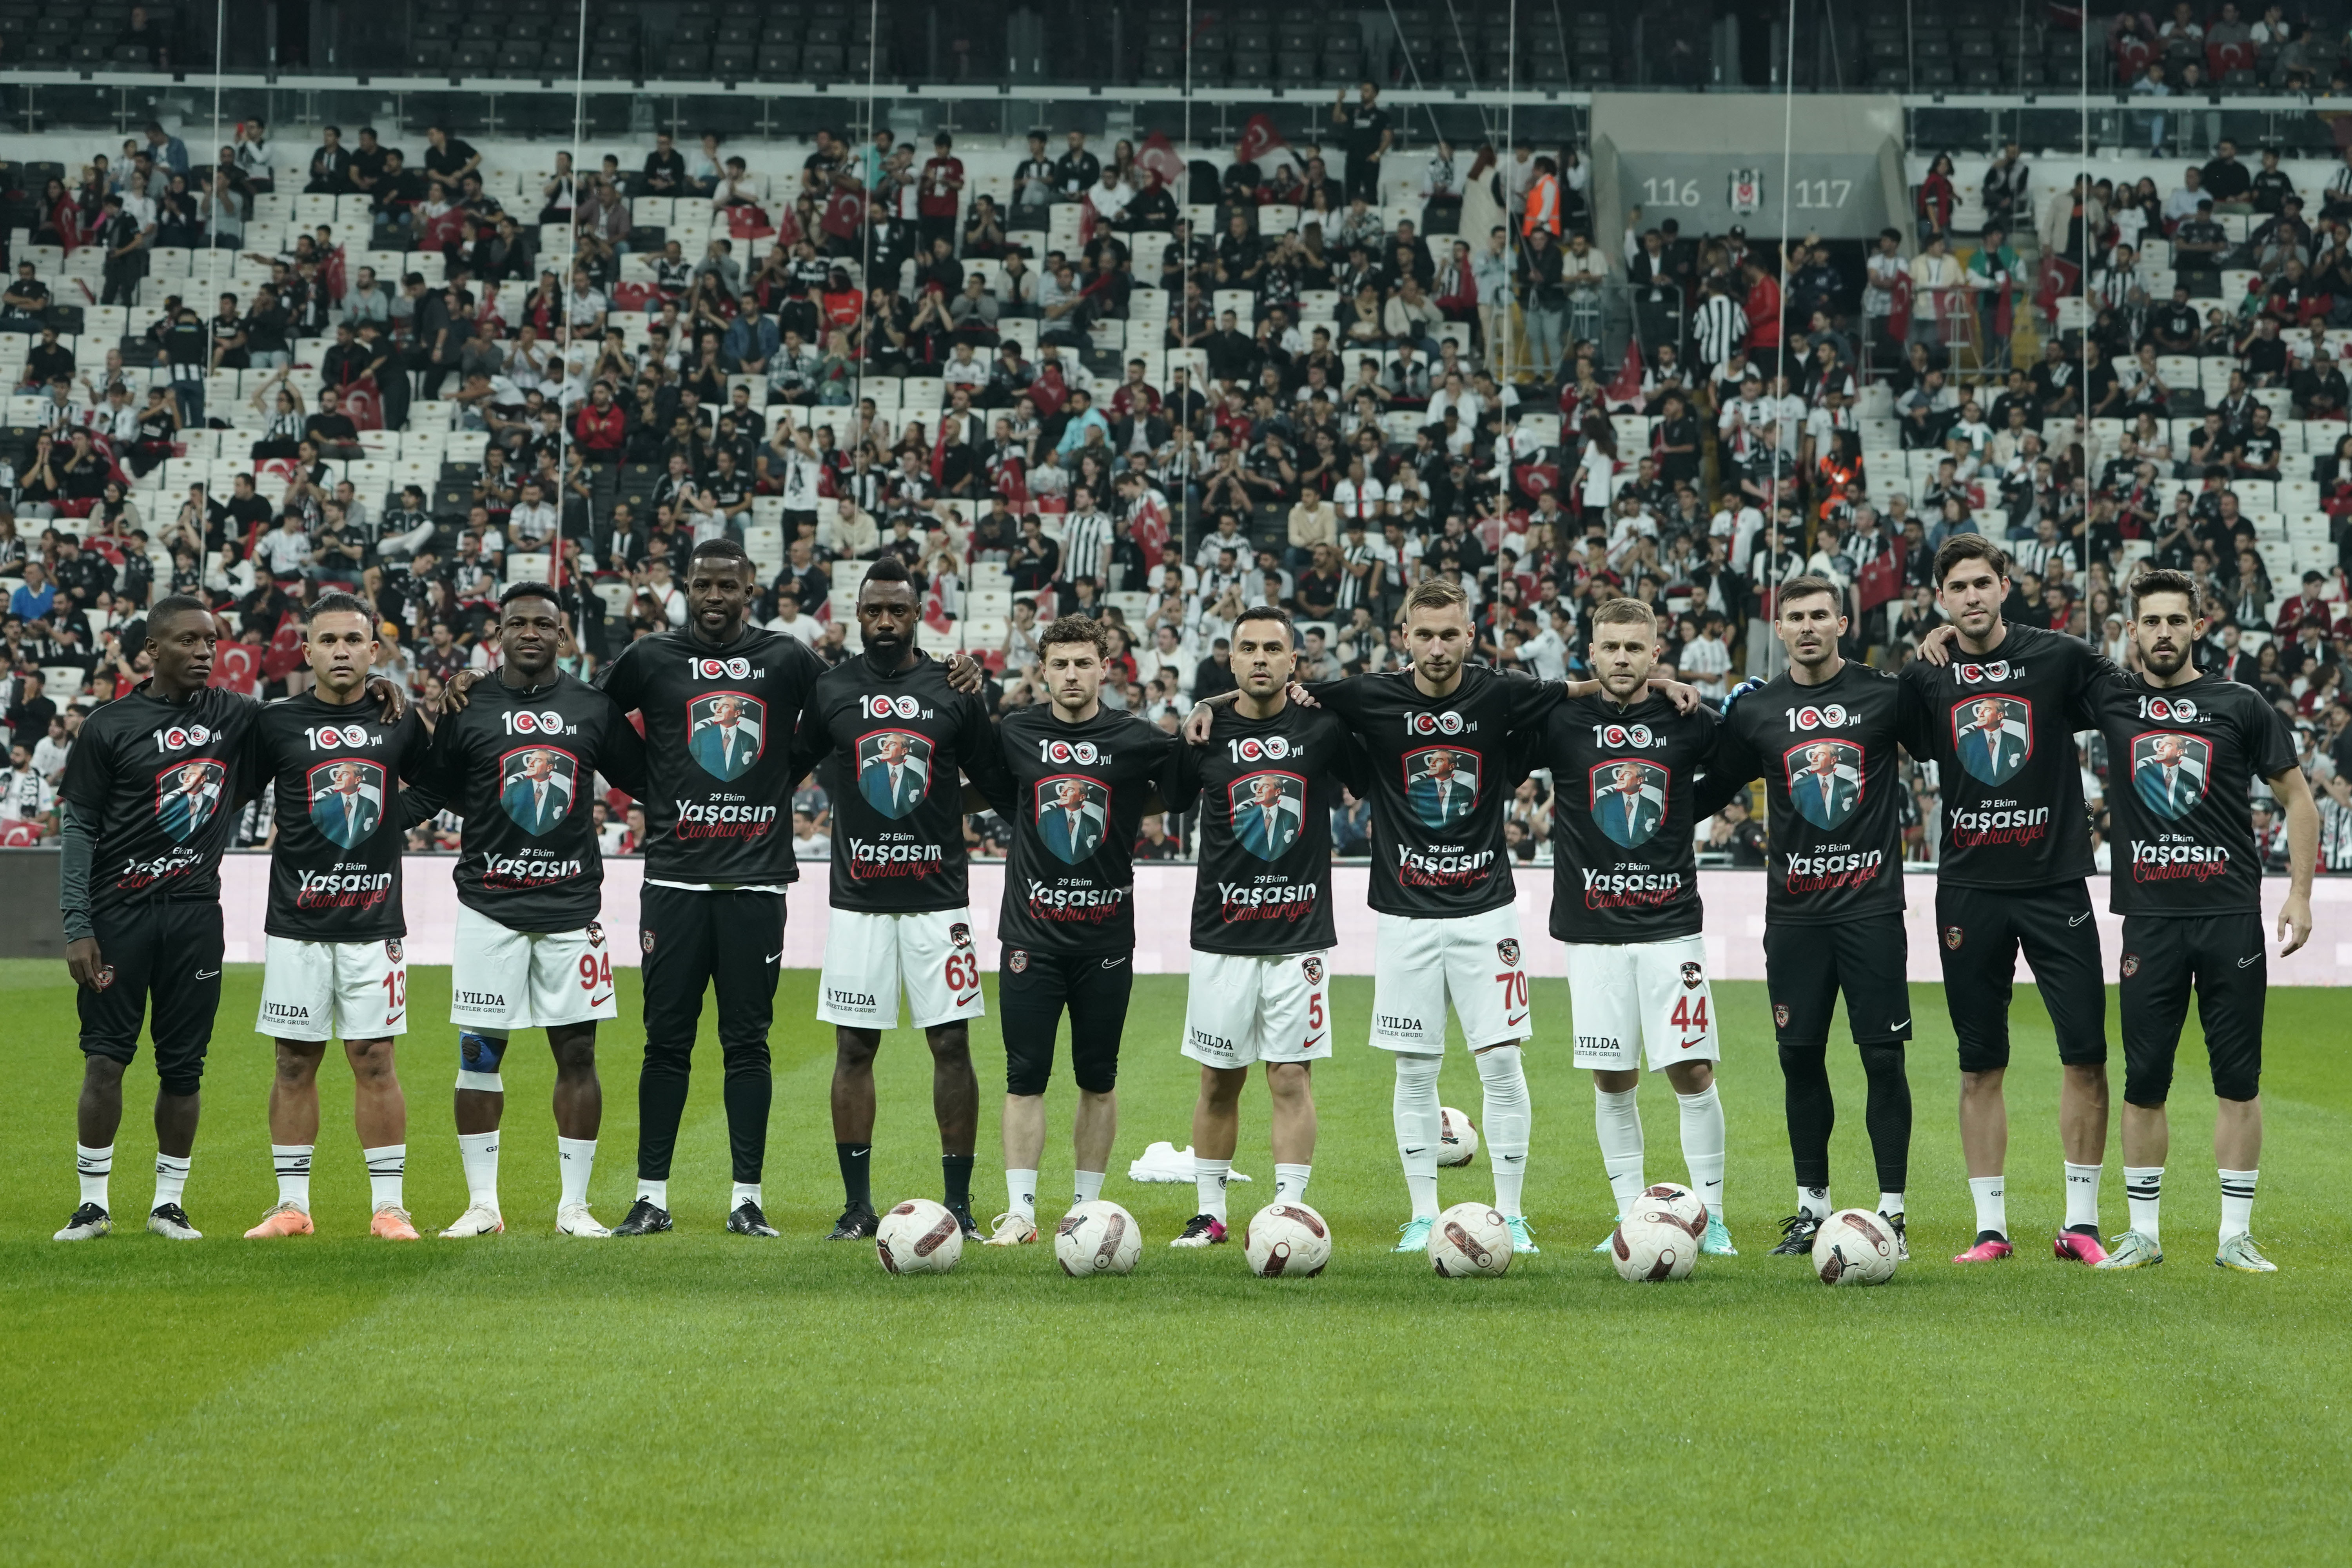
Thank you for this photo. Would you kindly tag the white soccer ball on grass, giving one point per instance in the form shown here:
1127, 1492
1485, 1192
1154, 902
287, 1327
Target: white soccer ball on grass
1286, 1240
1652, 1246
919, 1237
1098, 1238
1855, 1247
1470, 1239
1458, 1140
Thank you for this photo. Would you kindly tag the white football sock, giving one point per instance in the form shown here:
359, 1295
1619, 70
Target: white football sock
1088, 1186
478, 1153
1209, 1185
1813, 1202
1891, 1204
2143, 1191
575, 1161
1417, 1130
1993, 1205
2237, 1203
1617, 1120
746, 1193
654, 1192
92, 1167
2081, 1196
1290, 1184
1703, 1140
1509, 1119
293, 1163
386, 1167
171, 1178
1021, 1194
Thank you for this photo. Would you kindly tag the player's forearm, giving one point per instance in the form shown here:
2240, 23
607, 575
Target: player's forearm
77, 847
2302, 829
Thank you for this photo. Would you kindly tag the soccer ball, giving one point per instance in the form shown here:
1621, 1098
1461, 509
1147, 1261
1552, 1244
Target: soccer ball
1098, 1238
1286, 1239
919, 1237
1652, 1246
1457, 1141
1676, 1204
1854, 1246
1470, 1239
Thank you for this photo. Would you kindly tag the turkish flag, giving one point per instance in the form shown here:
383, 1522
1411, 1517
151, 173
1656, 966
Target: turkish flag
843, 212
1898, 315
1627, 387
448, 229
236, 666
1260, 140
285, 651
2058, 280
364, 403
1880, 579
1161, 161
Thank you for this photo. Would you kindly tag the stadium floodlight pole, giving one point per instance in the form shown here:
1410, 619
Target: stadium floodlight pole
1191, 460
212, 175
865, 223
1781, 349
2082, 173
563, 417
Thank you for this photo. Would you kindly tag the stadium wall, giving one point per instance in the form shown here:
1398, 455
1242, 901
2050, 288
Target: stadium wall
1735, 922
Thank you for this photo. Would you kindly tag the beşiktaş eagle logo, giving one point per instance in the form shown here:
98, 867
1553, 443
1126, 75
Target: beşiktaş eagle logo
188, 797
1073, 816
1993, 736
2170, 771
346, 800
725, 733
1629, 799
893, 771
1440, 785
535, 788
1268, 813
1824, 781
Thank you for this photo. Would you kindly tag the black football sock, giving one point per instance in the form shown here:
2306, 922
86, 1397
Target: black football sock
956, 1169
857, 1174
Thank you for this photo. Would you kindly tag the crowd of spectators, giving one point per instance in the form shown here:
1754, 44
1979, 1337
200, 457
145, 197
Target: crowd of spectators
1109, 384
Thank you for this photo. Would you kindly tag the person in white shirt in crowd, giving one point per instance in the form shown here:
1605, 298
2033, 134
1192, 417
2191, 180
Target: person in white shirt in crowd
50, 753
789, 620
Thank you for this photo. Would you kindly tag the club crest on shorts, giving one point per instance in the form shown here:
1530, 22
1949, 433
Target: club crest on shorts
1952, 938
391, 950
1019, 960
1692, 974
1780, 1013
960, 934
1508, 950
1311, 967
2131, 964
646, 939
595, 934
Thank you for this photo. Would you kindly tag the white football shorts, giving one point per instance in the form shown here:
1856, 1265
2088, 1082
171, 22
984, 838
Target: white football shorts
326, 990
510, 980
1471, 960
867, 957
1642, 998
1241, 1008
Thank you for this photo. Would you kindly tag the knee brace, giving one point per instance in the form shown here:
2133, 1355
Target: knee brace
479, 1051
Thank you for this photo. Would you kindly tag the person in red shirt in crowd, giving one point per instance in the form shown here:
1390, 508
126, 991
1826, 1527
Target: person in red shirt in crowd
1134, 398
939, 201
601, 427
1763, 308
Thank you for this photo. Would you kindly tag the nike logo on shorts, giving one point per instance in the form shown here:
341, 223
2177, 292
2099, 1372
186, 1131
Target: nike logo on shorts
774, 958
1312, 1041
2249, 961
206, 974
1900, 1024
1512, 1023
2078, 920
1114, 962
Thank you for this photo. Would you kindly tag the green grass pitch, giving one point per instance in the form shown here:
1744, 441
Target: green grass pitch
704, 1398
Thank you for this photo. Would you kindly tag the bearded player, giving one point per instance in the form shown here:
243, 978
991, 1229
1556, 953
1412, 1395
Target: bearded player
2188, 880
1625, 901
1268, 780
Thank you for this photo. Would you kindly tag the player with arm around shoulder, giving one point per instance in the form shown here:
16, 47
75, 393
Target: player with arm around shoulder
1625, 901
2187, 876
1267, 777
1076, 781
335, 962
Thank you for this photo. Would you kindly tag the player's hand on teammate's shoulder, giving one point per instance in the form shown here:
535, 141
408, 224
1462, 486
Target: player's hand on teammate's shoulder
1299, 694
1752, 683
392, 697
454, 692
1205, 712
1682, 695
965, 673
1935, 646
